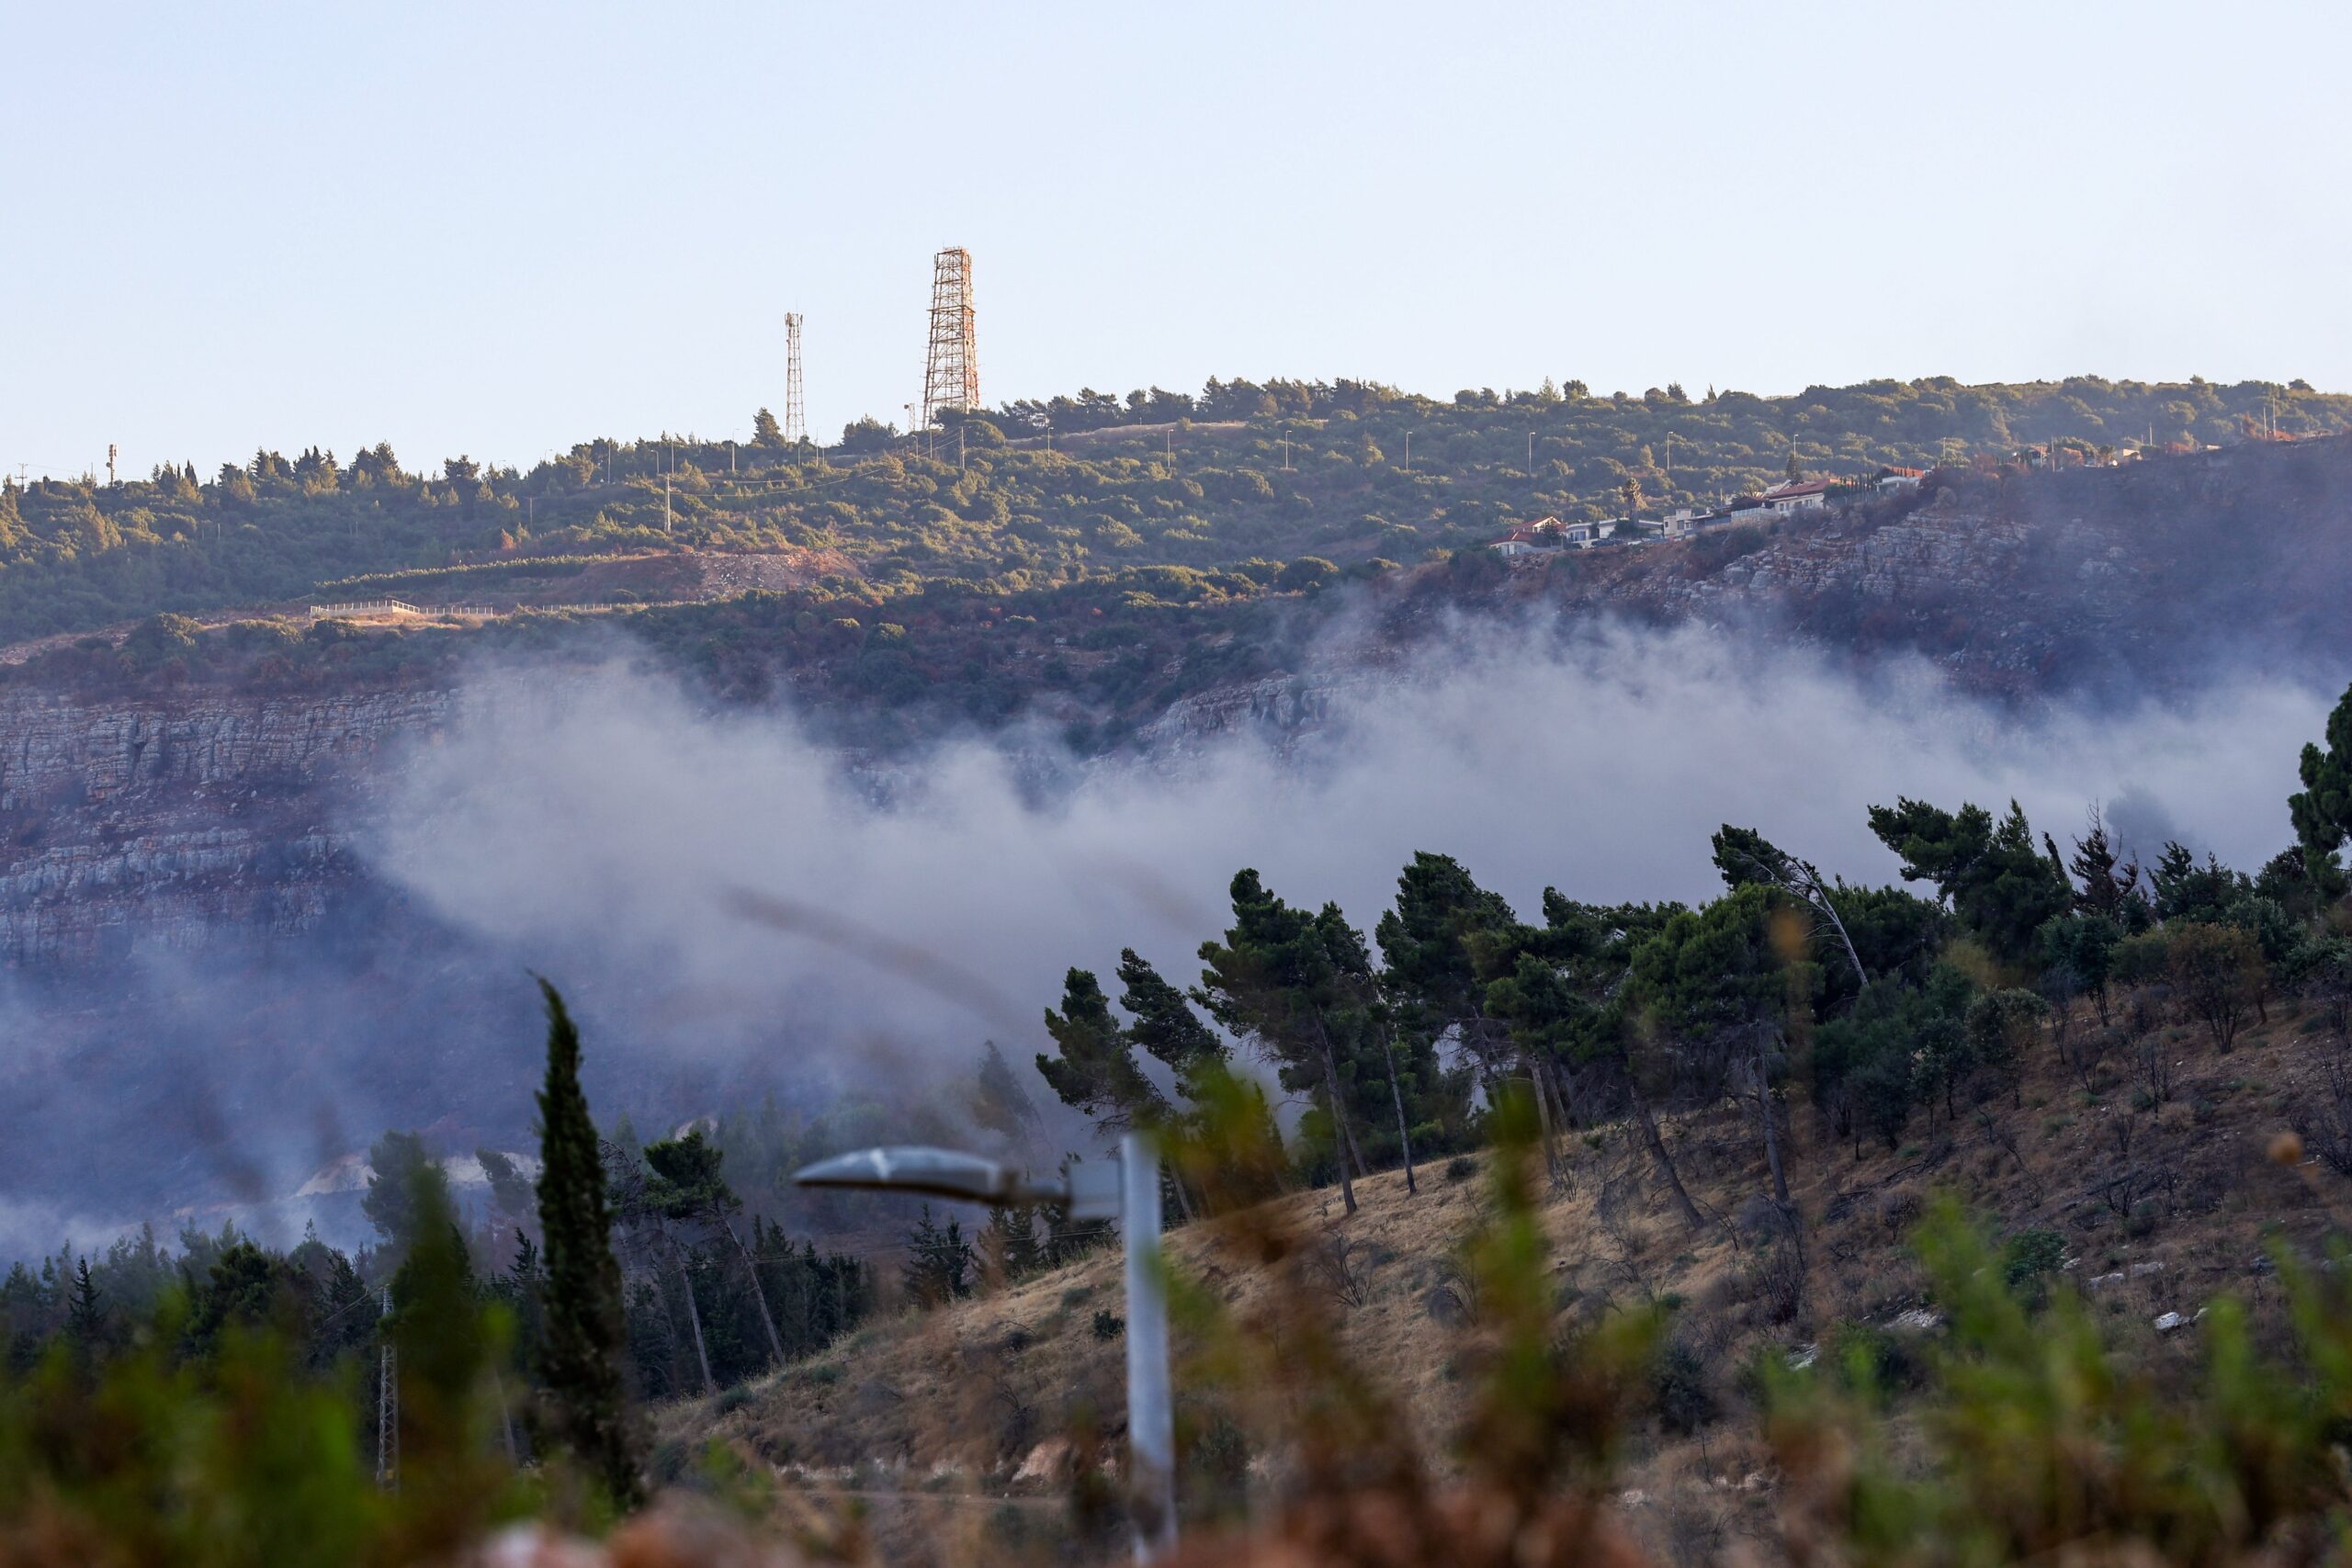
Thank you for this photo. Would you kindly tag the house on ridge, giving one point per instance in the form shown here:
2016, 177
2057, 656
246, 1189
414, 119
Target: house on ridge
1786, 500
1544, 534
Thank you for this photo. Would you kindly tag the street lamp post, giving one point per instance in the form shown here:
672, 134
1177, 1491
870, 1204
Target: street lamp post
1129, 1193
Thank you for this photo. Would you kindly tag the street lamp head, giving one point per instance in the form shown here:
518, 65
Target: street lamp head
940, 1173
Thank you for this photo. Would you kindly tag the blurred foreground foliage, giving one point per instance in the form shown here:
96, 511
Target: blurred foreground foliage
2026, 1437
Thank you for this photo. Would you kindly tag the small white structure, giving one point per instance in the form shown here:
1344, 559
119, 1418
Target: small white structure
1783, 499
1684, 523
1891, 478
1544, 534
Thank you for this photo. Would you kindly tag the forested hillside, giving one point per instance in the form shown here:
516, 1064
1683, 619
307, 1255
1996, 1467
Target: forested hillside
1035, 494
1637, 1225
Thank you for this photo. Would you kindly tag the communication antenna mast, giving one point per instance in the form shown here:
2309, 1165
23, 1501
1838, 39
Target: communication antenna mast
112, 453
951, 378
795, 410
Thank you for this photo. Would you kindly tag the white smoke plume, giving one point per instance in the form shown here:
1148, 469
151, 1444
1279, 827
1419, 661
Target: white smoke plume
750, 894
735, 908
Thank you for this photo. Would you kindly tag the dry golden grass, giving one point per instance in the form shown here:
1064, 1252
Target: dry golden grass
937, 1417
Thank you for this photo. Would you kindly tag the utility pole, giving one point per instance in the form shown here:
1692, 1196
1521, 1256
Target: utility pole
1151, 1423
388, 1403
665, 504
1531, 453
1285, 454
112, 450
1129, 1192
1408, 451
959, 446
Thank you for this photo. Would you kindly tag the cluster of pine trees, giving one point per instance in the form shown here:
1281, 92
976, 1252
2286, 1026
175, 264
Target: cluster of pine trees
1877, 1005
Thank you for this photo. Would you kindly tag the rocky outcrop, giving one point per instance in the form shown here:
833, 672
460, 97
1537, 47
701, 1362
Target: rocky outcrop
99, 750
146, 824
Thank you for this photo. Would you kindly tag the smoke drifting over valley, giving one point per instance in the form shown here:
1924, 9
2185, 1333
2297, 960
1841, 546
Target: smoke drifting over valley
736, 909
608, 833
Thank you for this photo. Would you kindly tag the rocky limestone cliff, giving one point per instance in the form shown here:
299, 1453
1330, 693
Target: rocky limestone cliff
179, 818
147, 822
115, 749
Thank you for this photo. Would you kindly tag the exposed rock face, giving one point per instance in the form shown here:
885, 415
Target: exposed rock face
2138, 577
205, 818
148, 823
1278, 708
106, 749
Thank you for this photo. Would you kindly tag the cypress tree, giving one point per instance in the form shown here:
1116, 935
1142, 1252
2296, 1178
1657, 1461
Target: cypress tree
585, 1344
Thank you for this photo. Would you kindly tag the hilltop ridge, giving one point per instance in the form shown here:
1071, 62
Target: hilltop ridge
1347, 472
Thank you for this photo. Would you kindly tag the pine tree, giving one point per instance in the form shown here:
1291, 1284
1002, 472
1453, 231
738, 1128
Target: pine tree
399, 1170
1000, 1104
85, 1316
1165, 1024
1009, 1245
1096, 1070
765, 431
586, 1332
2322, 809
939, 1262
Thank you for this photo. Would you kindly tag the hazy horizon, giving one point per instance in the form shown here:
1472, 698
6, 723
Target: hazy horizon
497, 234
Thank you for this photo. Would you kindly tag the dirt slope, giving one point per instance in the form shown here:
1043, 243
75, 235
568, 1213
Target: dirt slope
2159, 1208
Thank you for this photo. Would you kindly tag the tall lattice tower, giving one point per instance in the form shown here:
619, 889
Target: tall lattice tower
951, 376
795, 407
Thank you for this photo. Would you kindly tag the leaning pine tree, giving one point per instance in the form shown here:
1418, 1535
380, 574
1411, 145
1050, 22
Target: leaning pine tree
586, 1340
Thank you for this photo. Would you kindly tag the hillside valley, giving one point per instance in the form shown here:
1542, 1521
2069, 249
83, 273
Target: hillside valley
195, 898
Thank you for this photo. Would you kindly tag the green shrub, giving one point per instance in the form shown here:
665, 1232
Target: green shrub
2030, 1260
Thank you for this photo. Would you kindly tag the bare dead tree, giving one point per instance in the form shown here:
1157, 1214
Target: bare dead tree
2120, 1188
1646, 1121
1750, 1083
2085, 1051
1334, 1262
2003, 1136
2121, 1126
2152, 1059
2324, 1121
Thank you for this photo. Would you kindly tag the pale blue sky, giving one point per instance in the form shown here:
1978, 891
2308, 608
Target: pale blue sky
499, 229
